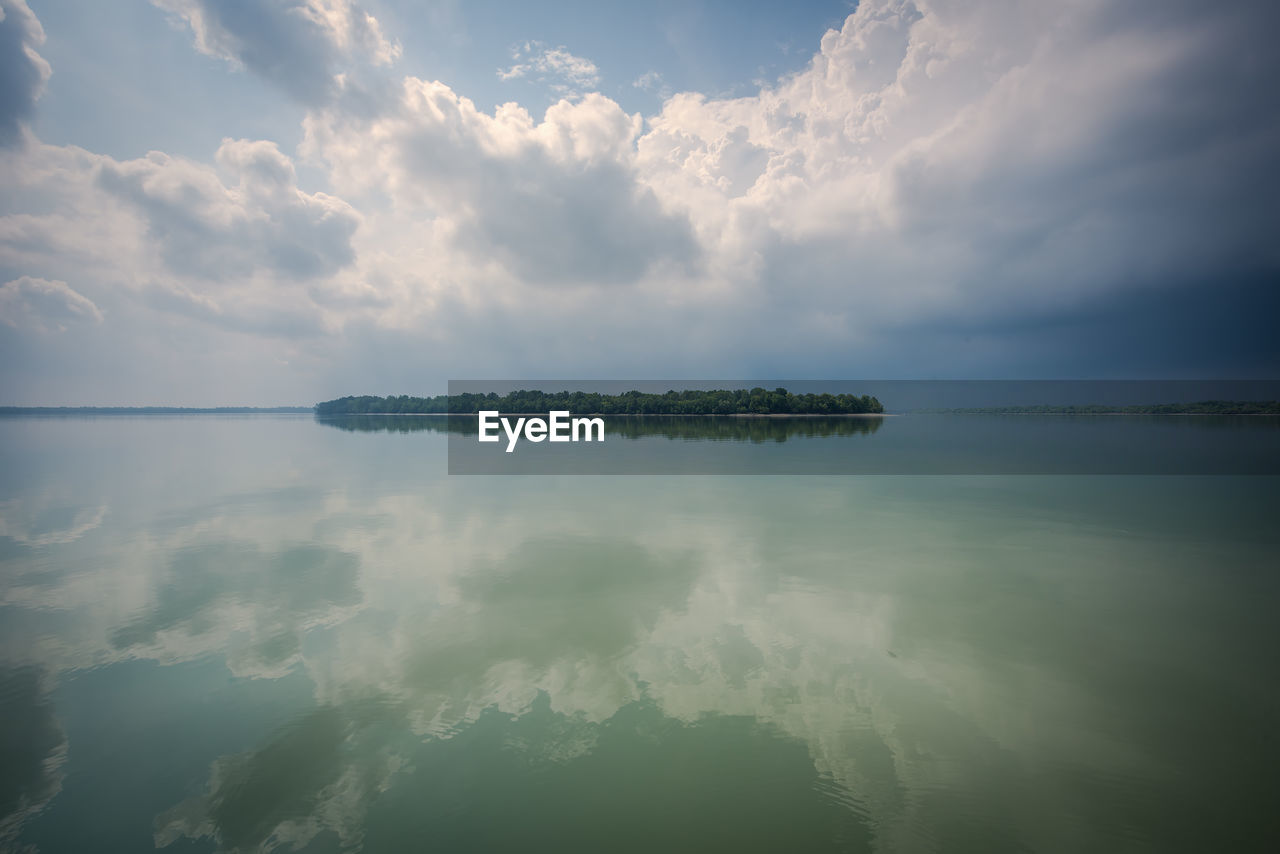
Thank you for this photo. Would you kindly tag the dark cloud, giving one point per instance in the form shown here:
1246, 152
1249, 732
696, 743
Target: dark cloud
1197, 329
22, 71
1155, 152
297, 46
593, 226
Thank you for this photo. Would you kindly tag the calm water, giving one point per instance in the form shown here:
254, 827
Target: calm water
268, 633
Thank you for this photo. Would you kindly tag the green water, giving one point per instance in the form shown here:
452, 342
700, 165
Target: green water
264, 633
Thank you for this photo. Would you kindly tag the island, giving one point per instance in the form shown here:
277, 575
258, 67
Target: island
755, 401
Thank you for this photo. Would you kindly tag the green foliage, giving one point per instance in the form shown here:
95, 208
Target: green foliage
696, 427
756, 401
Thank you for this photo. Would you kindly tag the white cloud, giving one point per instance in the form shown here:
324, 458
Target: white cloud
565, 74
652, 82
43, 305
551, 202
238, 246
648, 80
259, 222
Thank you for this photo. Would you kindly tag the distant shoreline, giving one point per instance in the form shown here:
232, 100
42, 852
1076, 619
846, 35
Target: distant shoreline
156, 410
1212, 407
1112, 412
1202, 407
70, 411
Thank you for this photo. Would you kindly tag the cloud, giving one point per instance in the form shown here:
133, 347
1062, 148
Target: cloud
295, 44
259, 220
648, 80
651, 81
931, 166
959, 190
564, 73
935, 162
236, 244
555, 202
23, 72
43, 305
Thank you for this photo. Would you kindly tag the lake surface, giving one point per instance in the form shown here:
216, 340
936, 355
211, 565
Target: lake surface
269, 633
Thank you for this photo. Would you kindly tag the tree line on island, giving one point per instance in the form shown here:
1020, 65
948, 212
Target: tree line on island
756, 401
701, 427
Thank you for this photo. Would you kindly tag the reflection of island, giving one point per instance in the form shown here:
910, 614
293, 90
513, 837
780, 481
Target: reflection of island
755, 401
713, 428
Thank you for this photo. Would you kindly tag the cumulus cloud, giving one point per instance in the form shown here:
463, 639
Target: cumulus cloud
553, 202
236, 245
259, 220
44, 305
295, 44
557, 68
23, 72
936, 160
932, 165
955, 188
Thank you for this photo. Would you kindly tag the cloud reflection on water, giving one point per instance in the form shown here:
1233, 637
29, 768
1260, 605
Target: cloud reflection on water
909, 638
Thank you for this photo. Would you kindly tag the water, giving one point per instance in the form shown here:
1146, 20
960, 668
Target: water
249, 633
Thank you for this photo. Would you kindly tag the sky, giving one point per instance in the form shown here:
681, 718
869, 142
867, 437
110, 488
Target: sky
273, 202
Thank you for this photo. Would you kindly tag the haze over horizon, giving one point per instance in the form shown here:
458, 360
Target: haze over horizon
278, 202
